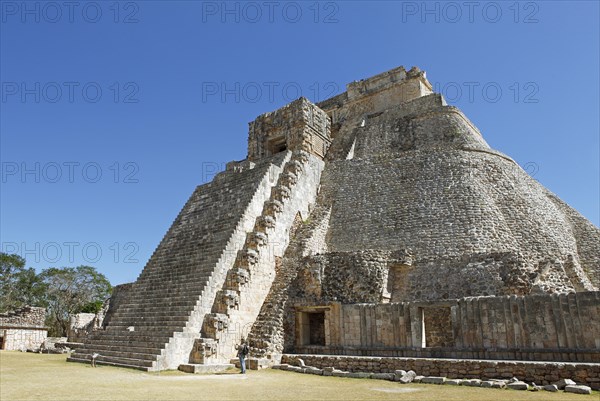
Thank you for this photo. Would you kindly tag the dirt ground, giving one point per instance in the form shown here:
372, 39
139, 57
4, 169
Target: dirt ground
26, 376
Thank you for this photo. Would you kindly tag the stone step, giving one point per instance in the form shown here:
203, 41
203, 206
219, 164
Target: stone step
133, 336
141, 348
118, 353
151, 317
153, 283
155, 301
134, 344
140, 327
130, 309
117, 361
84, 359
205, 369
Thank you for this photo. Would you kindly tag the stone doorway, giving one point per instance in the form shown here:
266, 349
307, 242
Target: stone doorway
311, 328
438, 327
316, 323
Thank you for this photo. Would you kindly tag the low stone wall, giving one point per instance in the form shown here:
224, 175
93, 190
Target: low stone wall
18, 339
538, 372
551, 355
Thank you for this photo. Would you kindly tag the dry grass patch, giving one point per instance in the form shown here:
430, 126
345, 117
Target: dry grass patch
50, 377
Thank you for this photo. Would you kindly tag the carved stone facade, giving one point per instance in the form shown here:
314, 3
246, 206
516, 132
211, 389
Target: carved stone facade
300, 125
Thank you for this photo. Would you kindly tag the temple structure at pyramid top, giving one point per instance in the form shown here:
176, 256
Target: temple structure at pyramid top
378, 222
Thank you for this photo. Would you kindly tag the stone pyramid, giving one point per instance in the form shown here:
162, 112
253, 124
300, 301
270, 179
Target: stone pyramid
381, 194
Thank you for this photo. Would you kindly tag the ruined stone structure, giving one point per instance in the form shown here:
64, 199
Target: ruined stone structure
378, 222
23, 329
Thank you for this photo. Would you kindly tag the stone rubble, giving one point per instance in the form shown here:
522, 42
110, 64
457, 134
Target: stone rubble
405, 377
578, 389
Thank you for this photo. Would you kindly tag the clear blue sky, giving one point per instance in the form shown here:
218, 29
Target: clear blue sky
156, 95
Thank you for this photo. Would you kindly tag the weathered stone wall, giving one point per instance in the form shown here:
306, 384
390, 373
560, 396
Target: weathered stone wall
377, 93
22, 339
418, 175
28, 316
348, 277
534, 327
117, 297
23, 329
494, 221
298, 126
81, 325
538, 372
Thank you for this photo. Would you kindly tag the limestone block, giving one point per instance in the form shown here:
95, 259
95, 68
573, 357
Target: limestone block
340, 373
407, 377
535, 387
551, 387
398, 374
417, 379
383, 376
454, 382
313, 371
433, 380
360, 375
578, 389
518, 386
562, 383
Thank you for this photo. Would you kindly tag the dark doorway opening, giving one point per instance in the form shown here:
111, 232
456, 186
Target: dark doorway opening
276, 145
316, 323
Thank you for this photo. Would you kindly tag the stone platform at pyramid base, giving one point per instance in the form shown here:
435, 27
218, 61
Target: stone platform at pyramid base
205, 369
542, 327
541, 373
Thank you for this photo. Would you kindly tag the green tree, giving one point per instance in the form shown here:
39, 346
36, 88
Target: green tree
10, 267
30, 289
70, 290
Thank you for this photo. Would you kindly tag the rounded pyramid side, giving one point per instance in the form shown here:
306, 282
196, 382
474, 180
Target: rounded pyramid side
422, 178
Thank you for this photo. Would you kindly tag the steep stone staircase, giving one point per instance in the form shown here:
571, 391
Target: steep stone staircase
240, 299
155, 327
266, 337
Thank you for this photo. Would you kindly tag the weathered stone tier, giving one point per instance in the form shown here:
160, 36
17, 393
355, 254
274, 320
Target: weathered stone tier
157, 321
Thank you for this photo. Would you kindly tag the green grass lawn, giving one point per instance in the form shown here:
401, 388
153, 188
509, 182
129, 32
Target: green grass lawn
26, 376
